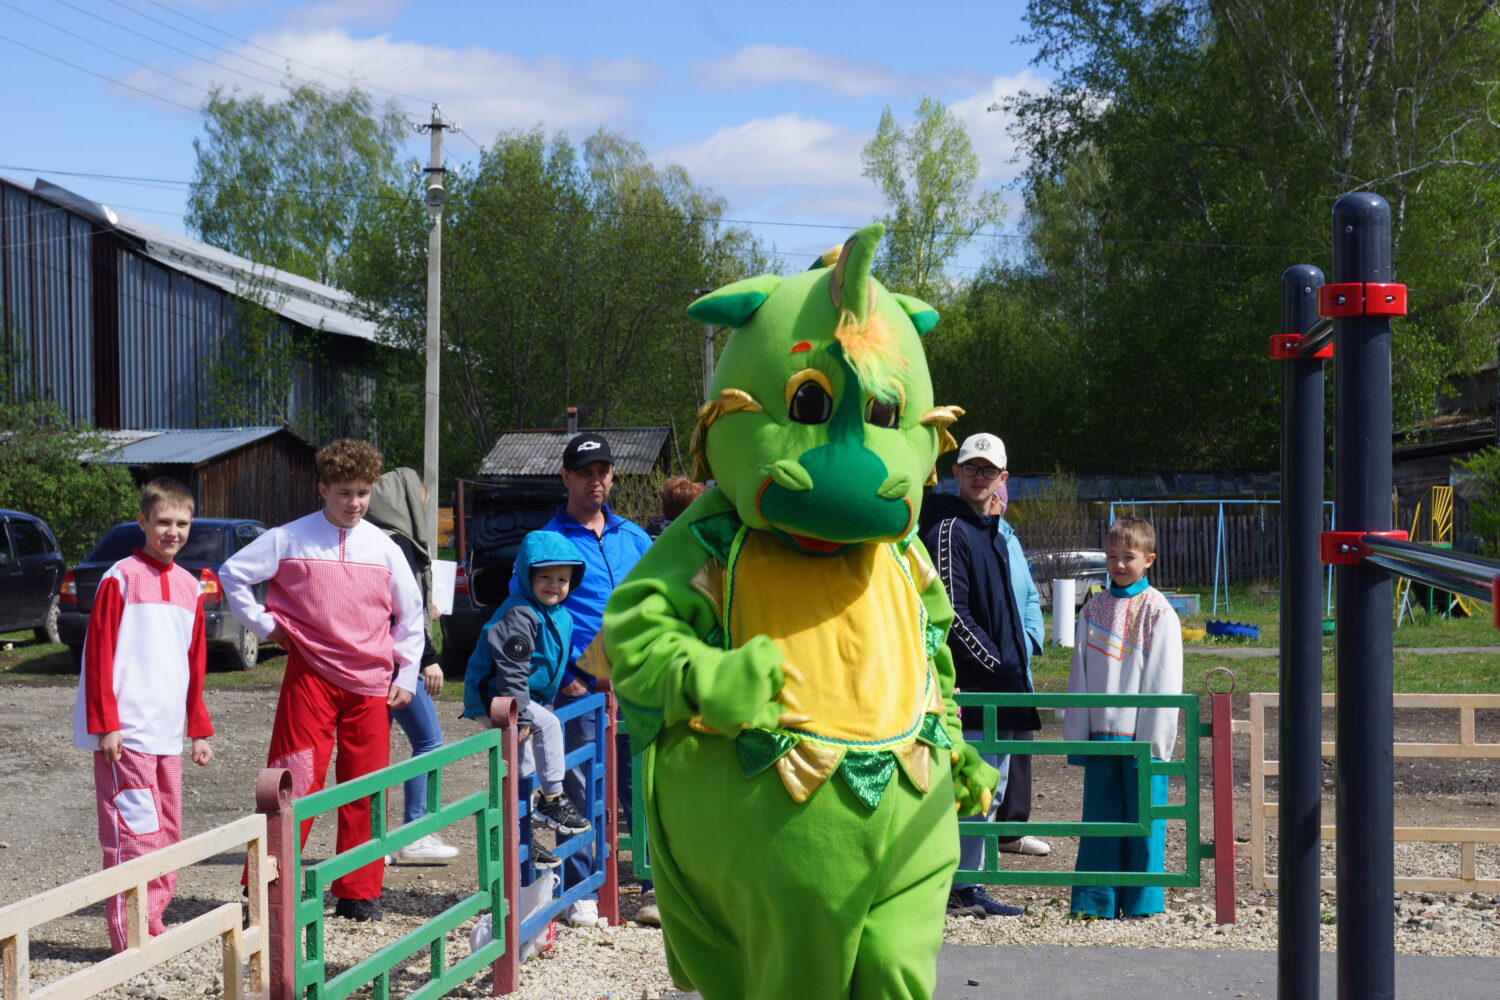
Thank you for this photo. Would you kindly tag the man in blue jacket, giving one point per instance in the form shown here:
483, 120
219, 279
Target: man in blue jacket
997, 628
610, 547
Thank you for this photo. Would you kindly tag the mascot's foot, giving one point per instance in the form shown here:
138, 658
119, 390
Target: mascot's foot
974, 901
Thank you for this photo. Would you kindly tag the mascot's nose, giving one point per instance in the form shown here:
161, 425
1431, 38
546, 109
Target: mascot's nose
895, 487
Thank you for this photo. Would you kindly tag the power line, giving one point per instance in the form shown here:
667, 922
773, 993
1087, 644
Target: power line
245, 41
106, 79
105, 48
179, 51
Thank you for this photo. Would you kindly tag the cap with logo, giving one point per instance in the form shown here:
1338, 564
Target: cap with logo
586, 448
982, 447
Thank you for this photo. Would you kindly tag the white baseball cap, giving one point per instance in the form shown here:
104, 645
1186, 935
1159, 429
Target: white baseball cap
982, 447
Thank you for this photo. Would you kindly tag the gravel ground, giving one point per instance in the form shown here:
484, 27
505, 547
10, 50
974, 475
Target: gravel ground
47, 837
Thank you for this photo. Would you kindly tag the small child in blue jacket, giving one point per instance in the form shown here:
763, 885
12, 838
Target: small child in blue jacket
521, 654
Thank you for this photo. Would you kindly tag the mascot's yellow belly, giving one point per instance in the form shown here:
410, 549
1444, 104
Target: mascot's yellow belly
851, 625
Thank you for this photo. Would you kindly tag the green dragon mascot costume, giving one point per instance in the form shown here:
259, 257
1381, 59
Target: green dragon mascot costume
778, 656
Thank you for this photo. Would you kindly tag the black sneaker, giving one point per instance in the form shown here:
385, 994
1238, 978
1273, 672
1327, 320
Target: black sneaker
541, 858
359, 909
973, 898
559, 814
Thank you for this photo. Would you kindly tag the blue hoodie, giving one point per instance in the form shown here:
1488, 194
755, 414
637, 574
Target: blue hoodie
523, 649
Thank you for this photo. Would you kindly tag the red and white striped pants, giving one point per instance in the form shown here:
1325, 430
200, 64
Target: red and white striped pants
139, 798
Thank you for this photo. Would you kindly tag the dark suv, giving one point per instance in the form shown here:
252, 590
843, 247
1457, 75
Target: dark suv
31, 572
496, 516
211, 541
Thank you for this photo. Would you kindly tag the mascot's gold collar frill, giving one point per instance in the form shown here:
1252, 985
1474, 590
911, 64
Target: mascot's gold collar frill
868, 685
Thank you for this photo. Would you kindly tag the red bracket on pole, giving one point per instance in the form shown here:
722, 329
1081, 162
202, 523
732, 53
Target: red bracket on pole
1223, 798
1345, 548
1495, 602
1355, 298
1285, 346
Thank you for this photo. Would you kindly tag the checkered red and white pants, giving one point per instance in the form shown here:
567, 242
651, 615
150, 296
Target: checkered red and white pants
139, 799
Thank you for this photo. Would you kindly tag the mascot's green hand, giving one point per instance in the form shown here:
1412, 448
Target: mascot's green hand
974, 781
739, 690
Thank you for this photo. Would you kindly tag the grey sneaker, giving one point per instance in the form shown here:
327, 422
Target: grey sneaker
647, 913
559, 814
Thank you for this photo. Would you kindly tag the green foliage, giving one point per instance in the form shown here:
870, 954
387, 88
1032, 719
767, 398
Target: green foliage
40, 474
1185, 155
927, 176
1481, 473
286, 183
566, 269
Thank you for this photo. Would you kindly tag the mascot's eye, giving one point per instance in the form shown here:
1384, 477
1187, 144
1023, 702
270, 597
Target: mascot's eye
882, 414
810, 404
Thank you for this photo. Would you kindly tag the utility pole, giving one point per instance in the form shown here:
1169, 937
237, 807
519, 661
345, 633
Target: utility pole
436, 196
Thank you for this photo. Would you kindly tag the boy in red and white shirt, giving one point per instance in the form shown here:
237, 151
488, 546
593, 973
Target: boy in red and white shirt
140, 688
342, 601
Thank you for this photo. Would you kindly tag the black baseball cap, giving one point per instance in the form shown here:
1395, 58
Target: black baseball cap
586, 448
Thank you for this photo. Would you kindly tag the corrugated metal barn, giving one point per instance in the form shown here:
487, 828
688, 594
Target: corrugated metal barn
260, 472
123, 323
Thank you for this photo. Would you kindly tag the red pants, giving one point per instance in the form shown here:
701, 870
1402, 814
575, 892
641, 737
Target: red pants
139, 799
309, 714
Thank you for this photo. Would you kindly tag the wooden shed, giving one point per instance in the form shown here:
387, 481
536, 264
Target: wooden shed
262, 472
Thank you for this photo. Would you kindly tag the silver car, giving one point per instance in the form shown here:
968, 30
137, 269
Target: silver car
1086, 567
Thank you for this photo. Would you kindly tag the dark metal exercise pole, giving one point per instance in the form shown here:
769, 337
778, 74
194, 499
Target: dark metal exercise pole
1364, 735
1300, 782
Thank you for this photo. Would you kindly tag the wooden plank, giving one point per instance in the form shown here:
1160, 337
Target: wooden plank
118, 968
1257, 794
91, 889
1466, 851
15, 956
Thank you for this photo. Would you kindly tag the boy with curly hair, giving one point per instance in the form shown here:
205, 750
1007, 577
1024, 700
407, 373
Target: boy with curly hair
343, 603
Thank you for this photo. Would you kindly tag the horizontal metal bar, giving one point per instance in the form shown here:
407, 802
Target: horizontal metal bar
1012, 877
1456, 572
986, 699
1316, 337
388, 777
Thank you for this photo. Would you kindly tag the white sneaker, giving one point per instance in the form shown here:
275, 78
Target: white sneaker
429, 848
1026, 845
585, 913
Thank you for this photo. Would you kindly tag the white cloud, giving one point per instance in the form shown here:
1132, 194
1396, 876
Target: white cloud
786, 151
768, 65
989, 131
330, 13
487, 91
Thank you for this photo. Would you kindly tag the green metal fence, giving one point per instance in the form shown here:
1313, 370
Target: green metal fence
1187, 769
985, 704
489, 812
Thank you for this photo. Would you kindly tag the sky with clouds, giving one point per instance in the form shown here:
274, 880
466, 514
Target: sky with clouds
767, 102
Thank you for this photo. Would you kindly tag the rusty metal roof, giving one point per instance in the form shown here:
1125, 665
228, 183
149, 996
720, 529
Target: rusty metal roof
636, 450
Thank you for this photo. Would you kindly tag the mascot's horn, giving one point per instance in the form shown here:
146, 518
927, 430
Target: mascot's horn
869, 344
850, 287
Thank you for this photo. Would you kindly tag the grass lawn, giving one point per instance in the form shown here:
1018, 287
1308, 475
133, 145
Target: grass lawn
1260, 605
29, 661
32, 662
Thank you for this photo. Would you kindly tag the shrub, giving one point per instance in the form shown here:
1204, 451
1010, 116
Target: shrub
1481, 475
41, 473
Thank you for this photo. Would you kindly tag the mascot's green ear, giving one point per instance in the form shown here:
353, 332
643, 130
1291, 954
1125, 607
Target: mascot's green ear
733, 305
922, 315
